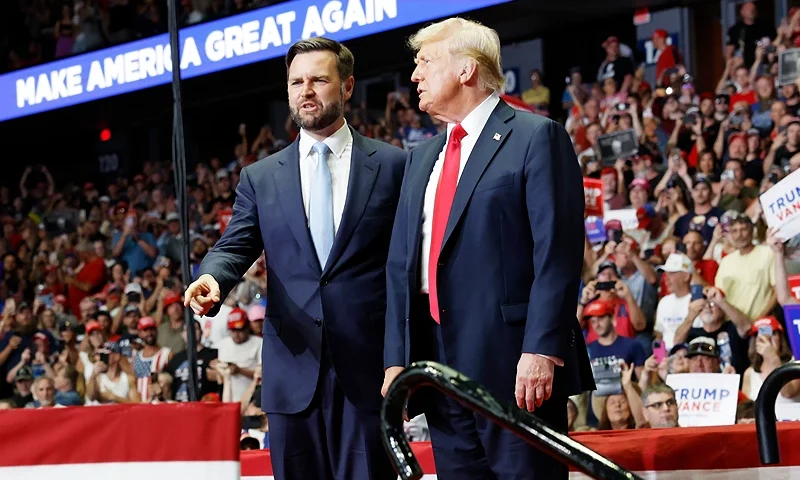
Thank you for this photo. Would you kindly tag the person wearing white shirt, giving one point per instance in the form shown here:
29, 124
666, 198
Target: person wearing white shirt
673, 308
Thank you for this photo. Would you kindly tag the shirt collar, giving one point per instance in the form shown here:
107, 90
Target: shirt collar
474, 122
337, 142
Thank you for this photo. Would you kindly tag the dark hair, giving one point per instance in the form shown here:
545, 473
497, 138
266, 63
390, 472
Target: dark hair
784, 353
344, 57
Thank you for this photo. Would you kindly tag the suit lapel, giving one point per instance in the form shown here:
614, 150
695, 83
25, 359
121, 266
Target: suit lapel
363, 172
417, 199
482, 154
287, 183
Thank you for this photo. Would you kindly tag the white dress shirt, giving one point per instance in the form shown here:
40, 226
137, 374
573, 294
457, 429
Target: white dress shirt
341, 145
473, 124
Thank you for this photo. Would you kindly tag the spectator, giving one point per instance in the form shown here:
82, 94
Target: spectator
611, 348
178, 368
110, 383
134, 244
703, 217
240, 352
608, 287
44, 393
745, 35
538, 96
723, 323
668, 57
747, 275
674, 308
171, 321
151, 360
768, 350
660, 406
86, 278
615, 66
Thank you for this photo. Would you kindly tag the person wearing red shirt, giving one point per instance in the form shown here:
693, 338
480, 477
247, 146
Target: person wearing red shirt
746, 93
628, 317
87, 278
667, 57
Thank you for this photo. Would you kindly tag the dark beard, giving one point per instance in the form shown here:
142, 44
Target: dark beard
329, 115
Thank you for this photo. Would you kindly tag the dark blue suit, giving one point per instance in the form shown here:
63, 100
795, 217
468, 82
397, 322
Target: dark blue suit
509, 272
324, 325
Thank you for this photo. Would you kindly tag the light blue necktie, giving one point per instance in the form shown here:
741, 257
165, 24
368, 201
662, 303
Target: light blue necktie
320, 208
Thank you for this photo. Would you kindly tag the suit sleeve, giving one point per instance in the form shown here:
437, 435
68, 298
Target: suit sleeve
397, 281
240, 244
555, 204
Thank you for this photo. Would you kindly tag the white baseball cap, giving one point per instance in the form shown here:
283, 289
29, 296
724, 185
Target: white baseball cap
677, 262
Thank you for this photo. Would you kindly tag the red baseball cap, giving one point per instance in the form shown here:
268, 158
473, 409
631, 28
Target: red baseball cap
641, 183
660, 33
237, 319
171, 298
145, 323
610, 40
766, 322
93, 325
598, 308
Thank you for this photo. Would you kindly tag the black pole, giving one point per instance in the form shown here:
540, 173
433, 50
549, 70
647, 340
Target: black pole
179, 167
473, 396
766, 429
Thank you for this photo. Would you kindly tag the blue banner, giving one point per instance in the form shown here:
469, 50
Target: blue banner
595, 230
210, 47
791, 314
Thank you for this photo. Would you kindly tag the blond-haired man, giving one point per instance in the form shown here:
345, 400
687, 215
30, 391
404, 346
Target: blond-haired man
485, 258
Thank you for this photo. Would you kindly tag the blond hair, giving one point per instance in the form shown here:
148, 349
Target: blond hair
471, 39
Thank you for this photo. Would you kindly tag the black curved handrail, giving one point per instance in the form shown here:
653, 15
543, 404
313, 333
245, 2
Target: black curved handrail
474, 396
766, 428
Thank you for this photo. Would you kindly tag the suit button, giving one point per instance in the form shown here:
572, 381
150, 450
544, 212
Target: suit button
441, 264
324, 282
318, 322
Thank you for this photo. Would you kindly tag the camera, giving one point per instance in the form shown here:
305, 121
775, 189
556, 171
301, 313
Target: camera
726, 175
773, 178
622, 107
104, 357
568, 80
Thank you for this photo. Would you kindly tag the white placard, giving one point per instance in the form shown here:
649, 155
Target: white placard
626, 216
705, 399
781, 206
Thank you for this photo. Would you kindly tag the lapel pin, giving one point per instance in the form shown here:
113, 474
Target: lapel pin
497, 137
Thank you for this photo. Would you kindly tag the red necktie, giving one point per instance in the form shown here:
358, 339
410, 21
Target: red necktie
445, 192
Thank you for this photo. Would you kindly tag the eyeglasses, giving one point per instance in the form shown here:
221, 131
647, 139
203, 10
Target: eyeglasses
657, 405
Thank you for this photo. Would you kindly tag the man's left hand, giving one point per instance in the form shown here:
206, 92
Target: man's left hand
534, 381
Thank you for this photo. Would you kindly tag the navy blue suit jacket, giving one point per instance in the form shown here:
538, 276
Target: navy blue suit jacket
345, 299
511, 258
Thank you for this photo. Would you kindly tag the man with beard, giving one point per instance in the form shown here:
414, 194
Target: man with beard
322, 211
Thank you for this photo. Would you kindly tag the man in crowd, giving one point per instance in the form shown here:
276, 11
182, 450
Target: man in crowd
703, 217
747, 275
721, 322
660, 406
608, 287
151, 359
610, 348
241, 351
178, 368
673, 308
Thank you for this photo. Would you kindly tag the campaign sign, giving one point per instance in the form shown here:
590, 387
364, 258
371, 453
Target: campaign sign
789, 66
781, 206
617, 145
705, 399
792, 315
209, 47
595, 230
224, 217
626, 216
794, 286
593, 194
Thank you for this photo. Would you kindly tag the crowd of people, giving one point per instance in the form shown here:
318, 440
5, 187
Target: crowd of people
684, 275
94, 314
34, 32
